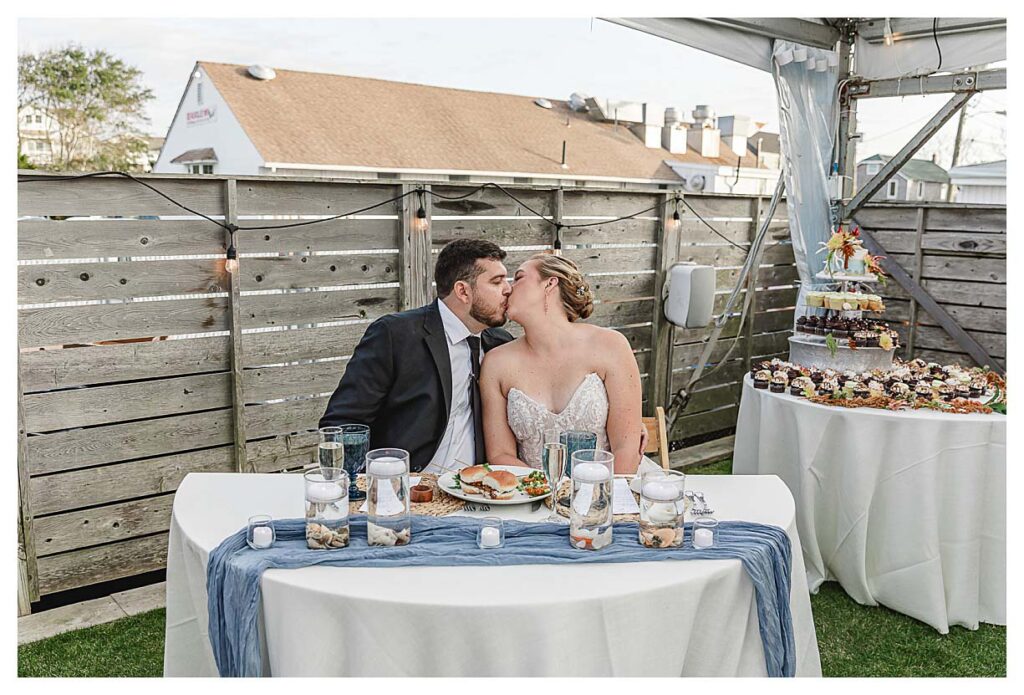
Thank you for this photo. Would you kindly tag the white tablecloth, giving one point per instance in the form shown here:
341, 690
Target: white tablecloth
905, 509
654, 618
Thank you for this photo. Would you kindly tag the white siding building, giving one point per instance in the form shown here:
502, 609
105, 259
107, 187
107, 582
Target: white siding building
979, 183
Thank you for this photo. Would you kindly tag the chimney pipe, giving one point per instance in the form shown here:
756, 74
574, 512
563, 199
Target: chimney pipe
564, 165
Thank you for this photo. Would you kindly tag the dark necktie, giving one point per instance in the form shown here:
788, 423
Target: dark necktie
474, 399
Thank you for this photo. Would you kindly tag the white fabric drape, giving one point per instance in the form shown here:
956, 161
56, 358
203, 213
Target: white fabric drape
905, 509
807, 127
919, 56
638, 619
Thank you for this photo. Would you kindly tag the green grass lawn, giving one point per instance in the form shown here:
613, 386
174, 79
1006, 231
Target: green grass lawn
854, 640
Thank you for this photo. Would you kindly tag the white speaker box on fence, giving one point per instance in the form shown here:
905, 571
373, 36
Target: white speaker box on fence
690, 295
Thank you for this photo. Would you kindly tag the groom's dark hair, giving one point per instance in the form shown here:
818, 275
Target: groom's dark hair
457, 261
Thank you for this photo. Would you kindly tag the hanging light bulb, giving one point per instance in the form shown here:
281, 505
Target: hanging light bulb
420, 222
231, 264
676, 219
888, 32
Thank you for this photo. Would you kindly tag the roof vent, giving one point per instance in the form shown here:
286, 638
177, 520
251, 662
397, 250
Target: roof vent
578, 102
262, 72
542, 102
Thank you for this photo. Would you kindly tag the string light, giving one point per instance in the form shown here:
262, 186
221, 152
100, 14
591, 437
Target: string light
420, 222
676, 221
231, 263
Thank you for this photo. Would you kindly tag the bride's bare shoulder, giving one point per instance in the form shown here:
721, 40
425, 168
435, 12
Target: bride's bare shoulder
502, 354
604, 338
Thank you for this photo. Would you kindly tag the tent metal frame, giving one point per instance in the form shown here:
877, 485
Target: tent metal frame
841, 35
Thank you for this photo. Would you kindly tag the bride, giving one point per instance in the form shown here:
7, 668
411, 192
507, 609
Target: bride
561, 375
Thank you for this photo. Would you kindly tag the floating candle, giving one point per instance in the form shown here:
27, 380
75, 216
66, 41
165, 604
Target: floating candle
262, 537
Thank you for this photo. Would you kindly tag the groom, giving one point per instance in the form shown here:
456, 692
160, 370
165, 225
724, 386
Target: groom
413, 377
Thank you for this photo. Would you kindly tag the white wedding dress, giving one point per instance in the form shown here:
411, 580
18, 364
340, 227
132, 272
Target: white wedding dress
587, 410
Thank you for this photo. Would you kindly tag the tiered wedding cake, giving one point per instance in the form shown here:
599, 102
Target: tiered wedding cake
834, 329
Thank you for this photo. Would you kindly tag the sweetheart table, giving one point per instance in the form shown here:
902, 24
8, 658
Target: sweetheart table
633, 619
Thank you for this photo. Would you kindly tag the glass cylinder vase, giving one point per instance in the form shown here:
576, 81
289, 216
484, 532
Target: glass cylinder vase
590, 507
326, 508
662, 506
387, 489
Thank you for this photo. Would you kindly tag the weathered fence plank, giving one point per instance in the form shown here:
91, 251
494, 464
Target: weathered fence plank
111, 238
61, 368
41, 284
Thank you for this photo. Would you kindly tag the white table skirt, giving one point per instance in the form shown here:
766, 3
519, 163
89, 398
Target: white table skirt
643, 619
904, 509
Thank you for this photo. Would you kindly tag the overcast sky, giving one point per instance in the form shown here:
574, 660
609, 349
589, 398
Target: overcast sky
542, 57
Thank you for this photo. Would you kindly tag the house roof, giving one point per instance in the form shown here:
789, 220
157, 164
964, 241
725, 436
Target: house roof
769, 142
983, 170
335, 120
916, 169
203, 154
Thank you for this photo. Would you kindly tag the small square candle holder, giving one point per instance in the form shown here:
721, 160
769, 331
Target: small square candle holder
491, 534
259, 533
705, 533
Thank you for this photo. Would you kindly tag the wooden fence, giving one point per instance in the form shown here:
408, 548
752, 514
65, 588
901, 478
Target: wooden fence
141, 359
958, 254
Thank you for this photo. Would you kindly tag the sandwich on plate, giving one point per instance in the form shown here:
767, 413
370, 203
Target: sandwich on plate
498, 485
470, 477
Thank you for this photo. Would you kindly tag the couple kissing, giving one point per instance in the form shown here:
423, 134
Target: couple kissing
448, 384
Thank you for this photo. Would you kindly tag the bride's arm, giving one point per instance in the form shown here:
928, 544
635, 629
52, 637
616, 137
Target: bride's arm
625, 402
499, 440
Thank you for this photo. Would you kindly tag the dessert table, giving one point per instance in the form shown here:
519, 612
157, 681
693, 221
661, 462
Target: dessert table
903, 508
639, 619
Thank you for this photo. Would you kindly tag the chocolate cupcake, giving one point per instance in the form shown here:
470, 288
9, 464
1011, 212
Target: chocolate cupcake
828, 386
872, 340
762, 378
816, 377
977, 388
778, 384
962, 391
899, 390
861, 391
924, 391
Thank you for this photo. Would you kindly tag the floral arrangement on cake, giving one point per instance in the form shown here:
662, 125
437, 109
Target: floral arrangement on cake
843, 246
907, 385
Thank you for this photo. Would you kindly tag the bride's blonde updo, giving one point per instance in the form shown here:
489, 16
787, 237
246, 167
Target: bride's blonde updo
574, 290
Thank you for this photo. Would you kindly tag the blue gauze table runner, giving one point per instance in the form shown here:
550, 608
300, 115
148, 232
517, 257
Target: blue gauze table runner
234, 569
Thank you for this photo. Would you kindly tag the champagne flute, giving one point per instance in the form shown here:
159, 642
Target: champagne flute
553, 458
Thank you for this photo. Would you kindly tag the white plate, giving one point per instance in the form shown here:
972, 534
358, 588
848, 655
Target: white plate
446, 482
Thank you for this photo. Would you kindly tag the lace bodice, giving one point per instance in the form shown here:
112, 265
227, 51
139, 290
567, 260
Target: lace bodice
586, 410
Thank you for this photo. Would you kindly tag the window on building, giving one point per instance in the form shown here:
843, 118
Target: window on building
920, 190
39, 118
207, 168
891, 191
28, 118
873, 169
199, 168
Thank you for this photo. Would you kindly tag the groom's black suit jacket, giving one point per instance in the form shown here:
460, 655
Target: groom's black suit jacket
399, 382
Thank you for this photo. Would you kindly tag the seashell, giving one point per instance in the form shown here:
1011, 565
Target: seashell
665, 536
380, 535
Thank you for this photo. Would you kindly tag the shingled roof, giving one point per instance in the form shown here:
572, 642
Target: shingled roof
335, 120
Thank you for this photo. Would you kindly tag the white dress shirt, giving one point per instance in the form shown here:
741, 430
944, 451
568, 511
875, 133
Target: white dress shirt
459, 440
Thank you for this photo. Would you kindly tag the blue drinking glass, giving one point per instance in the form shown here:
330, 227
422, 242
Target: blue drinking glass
576, 440
351, 442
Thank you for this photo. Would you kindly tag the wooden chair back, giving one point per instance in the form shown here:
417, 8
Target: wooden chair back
657, 436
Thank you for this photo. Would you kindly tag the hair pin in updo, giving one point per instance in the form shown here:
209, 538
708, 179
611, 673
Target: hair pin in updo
580, 291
